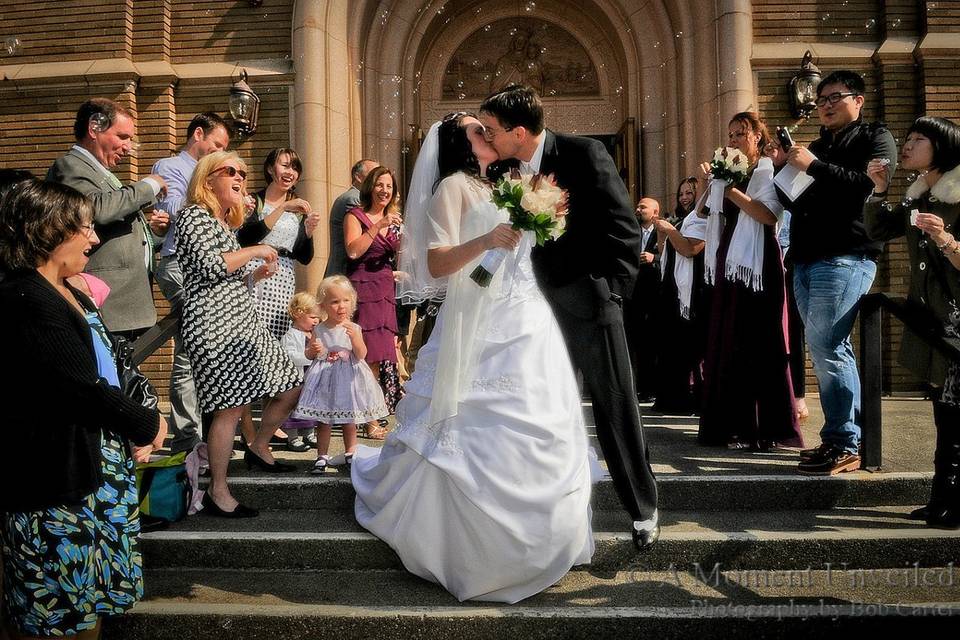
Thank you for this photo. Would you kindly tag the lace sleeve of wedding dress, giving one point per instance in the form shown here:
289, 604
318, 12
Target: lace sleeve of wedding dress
459, 212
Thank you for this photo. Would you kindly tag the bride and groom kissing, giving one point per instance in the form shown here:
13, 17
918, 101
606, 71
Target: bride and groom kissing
484, 486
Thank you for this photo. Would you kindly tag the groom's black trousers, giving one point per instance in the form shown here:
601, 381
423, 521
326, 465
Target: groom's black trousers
592, 325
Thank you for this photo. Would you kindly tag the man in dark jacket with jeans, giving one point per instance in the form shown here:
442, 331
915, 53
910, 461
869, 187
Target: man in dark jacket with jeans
835, 261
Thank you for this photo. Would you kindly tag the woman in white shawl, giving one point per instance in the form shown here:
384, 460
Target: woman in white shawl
748, 397
484, 485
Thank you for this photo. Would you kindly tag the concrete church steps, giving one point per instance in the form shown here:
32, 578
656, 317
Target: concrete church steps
585, 603
871, 538
688, 493
742, 551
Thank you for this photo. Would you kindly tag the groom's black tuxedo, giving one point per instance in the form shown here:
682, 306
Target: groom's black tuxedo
585, 275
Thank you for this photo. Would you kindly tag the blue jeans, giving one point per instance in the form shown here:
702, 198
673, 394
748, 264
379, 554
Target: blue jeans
828, 296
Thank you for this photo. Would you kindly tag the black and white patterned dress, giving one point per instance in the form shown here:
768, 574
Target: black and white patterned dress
234, 357
273, 294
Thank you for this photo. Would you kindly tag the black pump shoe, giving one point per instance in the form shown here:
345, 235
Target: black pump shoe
253, 460
240, 511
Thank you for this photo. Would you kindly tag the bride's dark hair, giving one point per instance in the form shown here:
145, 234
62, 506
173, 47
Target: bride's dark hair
454, 151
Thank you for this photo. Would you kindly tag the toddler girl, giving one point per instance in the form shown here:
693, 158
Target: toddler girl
302, 348
339, 387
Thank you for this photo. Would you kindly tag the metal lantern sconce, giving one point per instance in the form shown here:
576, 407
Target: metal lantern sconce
803, 88
244, 107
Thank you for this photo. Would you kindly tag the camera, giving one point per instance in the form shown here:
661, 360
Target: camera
784, 137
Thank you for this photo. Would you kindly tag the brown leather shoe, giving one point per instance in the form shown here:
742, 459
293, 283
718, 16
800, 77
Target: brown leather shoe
829, 463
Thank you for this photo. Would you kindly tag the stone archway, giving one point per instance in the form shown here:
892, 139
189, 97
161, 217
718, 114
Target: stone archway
678, 81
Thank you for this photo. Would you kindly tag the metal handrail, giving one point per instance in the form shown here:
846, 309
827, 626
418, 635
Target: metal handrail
871, 360
155, 337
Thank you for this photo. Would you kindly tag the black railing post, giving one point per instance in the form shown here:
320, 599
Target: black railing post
871, 383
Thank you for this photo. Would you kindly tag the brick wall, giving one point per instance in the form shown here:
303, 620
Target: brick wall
36, 114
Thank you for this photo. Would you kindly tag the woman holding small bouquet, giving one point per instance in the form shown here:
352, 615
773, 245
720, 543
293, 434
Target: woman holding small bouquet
748, 397
484, 486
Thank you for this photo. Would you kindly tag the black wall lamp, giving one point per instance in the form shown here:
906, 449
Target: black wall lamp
244, 107
803, 88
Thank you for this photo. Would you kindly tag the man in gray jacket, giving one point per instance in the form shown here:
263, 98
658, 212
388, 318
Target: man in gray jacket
337, 262
104, 131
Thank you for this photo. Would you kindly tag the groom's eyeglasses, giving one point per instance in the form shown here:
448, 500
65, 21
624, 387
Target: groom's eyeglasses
490, 132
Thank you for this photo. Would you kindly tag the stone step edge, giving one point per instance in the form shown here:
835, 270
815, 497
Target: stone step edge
599, 536
773, 611
751, 479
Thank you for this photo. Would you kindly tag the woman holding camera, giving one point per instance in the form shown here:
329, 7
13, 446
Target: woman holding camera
927, 216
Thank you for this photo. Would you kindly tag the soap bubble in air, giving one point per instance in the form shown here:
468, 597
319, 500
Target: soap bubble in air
11, 45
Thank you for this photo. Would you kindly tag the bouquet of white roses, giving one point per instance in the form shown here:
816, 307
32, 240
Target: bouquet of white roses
729, 165
535, 203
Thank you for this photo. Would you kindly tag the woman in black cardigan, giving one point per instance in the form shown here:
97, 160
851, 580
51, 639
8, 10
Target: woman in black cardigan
69, 508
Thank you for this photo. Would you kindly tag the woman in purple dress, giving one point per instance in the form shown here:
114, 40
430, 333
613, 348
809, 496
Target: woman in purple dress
371, 234
748, 397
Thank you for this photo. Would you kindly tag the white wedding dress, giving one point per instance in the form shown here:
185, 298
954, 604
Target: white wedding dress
492, 502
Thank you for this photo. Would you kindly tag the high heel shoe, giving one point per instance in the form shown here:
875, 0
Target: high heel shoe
253, 460
240, 511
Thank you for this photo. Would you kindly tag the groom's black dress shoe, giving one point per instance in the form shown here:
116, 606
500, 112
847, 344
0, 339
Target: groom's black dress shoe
643, 540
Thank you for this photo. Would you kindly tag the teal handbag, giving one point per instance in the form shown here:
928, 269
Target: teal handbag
164, 488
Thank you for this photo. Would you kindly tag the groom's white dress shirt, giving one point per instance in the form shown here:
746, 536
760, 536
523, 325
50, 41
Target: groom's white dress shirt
534, 165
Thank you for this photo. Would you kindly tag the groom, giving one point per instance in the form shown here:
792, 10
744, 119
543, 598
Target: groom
585, 274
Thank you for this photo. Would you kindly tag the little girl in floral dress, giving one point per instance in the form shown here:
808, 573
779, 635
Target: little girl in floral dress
339, 387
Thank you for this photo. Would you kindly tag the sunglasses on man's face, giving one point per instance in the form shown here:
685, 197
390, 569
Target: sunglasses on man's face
231, 172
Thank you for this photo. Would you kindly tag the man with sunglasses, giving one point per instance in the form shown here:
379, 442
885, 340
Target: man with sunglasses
105, 132
834, 260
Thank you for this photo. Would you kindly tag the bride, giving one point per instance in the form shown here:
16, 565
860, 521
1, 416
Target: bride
484, 486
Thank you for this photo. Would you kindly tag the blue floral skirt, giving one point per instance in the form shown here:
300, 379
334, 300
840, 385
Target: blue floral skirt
65, 567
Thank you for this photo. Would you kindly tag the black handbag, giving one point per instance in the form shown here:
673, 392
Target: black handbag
133, 383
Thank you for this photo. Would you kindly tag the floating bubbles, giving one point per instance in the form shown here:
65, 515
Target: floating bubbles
553, 92
656, 45
383, 17
663, 115
825, 17
530, 6
896, 23
679, 34
460, 84
99, 122
870, 24
477, 12
487, 27
619, 90
513, 31
683, 155
461, 96
660, 147
11, 45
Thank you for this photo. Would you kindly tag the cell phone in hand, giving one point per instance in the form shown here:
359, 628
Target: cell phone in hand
913, 216
783, 136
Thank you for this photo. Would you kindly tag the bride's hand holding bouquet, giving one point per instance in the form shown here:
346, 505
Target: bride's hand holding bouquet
534, 203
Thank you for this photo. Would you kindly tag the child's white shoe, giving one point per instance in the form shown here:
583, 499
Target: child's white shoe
320, 466
341, 460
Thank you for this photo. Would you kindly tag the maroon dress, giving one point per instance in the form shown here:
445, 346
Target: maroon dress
372, 276
747, 395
